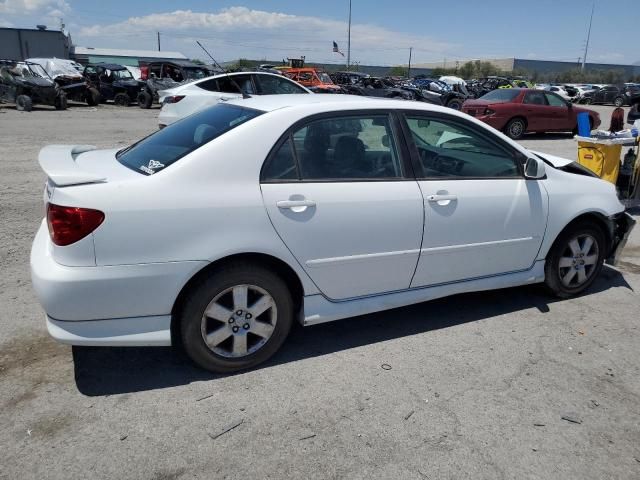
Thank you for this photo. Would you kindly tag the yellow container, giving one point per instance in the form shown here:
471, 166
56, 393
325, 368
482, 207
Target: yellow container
603, 160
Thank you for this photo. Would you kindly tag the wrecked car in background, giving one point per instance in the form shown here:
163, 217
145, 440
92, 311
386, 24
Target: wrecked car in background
315, 80
619, 95
450, 95
67, 74
386, 88
27, 84
158, 76
113, 82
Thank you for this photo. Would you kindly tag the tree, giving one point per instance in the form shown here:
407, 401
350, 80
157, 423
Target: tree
398, 71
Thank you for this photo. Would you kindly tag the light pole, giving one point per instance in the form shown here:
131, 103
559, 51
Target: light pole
586, 47
349, 39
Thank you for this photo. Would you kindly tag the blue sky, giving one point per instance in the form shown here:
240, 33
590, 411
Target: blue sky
382, 32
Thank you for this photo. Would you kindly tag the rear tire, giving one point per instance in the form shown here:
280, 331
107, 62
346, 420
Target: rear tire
60, 102
24, 103
145, 100
238, 334
587, 101
516, 128
575, 259
122, 100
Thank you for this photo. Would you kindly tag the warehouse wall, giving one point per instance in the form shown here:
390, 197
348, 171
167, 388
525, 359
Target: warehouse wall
18, 44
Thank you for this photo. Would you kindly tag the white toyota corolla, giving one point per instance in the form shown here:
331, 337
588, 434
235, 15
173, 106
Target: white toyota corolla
223, 228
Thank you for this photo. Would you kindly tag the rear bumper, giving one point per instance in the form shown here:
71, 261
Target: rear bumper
119, 332
125, 292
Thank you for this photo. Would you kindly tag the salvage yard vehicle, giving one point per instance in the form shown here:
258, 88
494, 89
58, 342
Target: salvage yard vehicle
27, 84
113, 82
520, 110
164, 75
186, 99
315, 80
611, 94
221, 230
450, 95
67, 74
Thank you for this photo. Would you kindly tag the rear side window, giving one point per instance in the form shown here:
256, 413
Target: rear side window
504, 95
159, 150
273, 85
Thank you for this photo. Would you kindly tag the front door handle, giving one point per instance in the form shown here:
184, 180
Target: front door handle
295, 205
442, 198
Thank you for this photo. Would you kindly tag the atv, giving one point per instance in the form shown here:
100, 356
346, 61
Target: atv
157, 76
67, 74
27, 84
113, 82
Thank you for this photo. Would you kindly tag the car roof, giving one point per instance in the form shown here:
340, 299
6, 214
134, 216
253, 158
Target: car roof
333, 102
108, 66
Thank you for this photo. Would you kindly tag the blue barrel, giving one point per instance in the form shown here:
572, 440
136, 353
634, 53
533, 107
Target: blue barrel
584, 127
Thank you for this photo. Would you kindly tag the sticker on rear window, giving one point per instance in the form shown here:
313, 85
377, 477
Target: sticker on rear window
151, 168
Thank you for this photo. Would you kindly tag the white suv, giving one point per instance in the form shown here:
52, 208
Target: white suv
184, 100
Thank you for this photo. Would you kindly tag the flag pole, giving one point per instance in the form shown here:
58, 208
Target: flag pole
349, 39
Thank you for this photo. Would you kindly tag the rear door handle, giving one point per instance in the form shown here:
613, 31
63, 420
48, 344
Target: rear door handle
442, 198
295, 205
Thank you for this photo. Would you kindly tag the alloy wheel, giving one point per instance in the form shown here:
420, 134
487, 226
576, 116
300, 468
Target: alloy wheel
239, 321
579, 261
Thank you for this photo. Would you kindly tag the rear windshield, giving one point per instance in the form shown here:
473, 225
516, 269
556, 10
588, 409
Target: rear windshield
159, 150
502, 95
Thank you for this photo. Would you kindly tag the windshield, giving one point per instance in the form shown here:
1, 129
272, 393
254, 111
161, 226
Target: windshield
122, 75
194, 73
503, 95
159, 150
324, 78
32, 70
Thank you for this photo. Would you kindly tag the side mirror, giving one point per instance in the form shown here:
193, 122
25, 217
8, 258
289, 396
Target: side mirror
534, 169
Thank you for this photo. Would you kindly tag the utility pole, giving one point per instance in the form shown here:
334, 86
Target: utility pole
586, 47
349, 39
158, 40
409, 69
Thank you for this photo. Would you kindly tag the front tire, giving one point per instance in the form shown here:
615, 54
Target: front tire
24, 103
122, 100
575, 260
60, 102
236, 319
618, 102
515, 128
456, 104
145, 100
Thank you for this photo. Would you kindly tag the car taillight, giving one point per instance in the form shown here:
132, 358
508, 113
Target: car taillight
67, 225
488, 111
173, 98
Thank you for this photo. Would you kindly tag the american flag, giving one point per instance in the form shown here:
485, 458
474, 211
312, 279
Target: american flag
336, 49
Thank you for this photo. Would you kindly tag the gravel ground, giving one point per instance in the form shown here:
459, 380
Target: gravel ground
470, 387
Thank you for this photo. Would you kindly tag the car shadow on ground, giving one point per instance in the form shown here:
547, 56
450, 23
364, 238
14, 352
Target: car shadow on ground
109, 371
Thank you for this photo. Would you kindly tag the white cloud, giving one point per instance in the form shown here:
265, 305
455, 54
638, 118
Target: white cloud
242, 32
25, 7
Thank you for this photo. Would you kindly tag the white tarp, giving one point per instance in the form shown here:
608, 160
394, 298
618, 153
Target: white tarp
453, 80
59, 67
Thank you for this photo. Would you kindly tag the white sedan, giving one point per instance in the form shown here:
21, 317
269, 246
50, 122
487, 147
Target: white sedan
183, 100
224, 228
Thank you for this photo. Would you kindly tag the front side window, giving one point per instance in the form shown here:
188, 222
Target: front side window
555, 101
274, 85
159, 150
535, 98
448, 149
338, 149
235, 84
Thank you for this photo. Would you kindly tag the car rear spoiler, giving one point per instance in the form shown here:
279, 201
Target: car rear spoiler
59, 163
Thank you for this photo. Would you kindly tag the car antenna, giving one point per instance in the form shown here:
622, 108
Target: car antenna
244, 94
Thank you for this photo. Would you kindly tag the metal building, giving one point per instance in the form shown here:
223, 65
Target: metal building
22, 43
